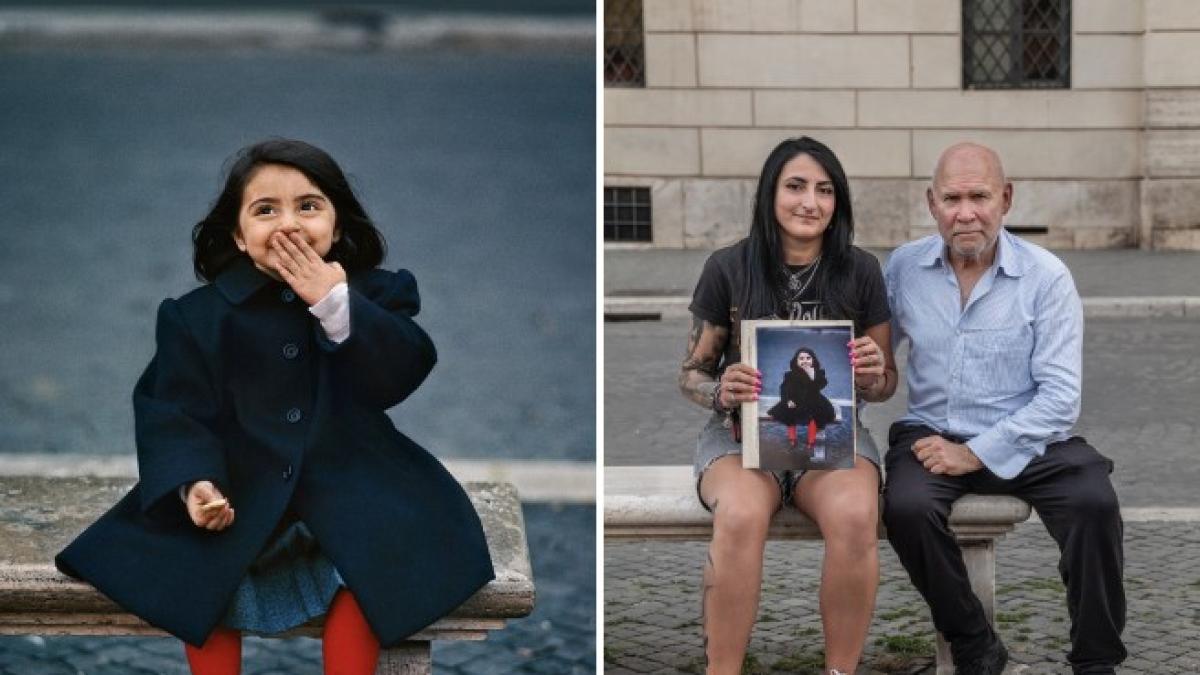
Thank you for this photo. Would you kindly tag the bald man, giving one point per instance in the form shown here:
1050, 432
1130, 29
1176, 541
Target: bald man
995, 329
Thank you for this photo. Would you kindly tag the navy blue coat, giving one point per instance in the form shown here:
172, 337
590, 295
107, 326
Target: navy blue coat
245, 390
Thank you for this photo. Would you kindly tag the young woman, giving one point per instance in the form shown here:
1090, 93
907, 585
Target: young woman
267, 394
800, 399
797, 262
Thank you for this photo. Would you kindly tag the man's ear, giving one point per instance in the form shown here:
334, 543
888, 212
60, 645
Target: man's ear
1007, 196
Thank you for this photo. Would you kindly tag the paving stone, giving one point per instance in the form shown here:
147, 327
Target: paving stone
1161, 587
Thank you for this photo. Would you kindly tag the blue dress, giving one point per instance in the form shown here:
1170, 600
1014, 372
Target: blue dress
289, 583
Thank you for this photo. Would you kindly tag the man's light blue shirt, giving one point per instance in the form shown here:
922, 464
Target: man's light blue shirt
1002, 371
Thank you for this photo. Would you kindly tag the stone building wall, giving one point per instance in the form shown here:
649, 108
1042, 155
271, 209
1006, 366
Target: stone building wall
1113, 161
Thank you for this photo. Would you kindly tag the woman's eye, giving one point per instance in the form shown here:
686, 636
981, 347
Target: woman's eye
826, 190
264, 209
309, 205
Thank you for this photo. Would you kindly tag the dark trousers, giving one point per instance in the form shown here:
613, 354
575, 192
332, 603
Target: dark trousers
1069, 488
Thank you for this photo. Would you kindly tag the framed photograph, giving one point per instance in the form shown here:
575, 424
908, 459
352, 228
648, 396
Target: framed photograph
804, 417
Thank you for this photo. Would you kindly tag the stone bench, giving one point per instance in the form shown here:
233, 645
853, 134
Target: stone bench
38, 516
659, 502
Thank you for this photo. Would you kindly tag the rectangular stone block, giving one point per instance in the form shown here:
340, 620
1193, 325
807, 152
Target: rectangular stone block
808, 109
670, 60
1113, 204
1108, 16
1171, 204
936, 61
827, 16
716, 212
881, 208
1172, 15
1167, 108
746, 15
1177, 240
652, 151
667, 15
909, 16
1103, 237
1066, 109
677, 107
803, 61
863, 153
1173, 153
1099, 153
1172, 59
1106, 62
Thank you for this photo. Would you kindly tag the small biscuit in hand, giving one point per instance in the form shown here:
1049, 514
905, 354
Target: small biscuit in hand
214, 505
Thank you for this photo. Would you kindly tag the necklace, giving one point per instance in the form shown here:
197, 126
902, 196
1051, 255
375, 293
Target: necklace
801, 279
797, 283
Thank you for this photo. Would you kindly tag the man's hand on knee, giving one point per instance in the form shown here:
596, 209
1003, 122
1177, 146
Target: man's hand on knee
941, 456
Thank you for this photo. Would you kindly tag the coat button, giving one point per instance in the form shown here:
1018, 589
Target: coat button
294, 415
288, 295
290, 351
287, 473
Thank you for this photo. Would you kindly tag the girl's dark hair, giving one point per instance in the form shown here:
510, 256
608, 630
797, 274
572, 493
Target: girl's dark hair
360, 245
805, 350
766, 275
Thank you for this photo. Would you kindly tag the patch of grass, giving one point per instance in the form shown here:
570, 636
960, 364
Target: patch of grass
1195, 584
1013, 617
696, 667
808, 631
801, 662
894, 614
907, 645
612, 654
752, 666
767, 617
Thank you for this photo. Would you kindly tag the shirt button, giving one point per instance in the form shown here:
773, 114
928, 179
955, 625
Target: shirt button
287, 473
294, 415
290, 351
288, 295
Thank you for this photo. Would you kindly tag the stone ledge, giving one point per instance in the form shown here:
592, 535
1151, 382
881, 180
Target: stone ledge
660, 502
38, 516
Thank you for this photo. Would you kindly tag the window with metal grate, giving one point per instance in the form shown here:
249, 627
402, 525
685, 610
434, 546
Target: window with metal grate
624, 53
627, 214
1016, 44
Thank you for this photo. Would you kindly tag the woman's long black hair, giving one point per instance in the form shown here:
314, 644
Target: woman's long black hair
766, 275
360, 245
805, 350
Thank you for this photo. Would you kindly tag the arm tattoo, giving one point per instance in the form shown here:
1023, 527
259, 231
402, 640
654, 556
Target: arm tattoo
698, 375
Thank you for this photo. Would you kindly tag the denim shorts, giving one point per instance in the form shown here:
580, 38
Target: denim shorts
716, 442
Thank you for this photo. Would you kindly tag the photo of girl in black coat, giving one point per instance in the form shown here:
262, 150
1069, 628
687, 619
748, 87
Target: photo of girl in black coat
800, 399
273, 488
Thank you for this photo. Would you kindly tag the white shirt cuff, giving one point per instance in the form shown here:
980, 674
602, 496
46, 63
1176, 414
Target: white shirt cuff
333, 310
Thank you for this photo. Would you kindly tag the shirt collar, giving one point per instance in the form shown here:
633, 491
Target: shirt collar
241, 279
1009, 258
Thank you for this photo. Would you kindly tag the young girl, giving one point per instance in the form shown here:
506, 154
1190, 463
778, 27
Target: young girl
273, 487
797, 262
800, 397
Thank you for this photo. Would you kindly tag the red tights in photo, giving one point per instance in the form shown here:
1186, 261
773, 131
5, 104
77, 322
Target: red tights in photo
348, 646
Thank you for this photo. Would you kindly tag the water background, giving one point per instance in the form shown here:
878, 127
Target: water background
478, 166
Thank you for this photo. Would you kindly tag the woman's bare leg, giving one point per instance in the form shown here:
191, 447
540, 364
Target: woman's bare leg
742, 502
845, 505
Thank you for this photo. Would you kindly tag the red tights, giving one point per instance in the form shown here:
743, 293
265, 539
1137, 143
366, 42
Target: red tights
348, 646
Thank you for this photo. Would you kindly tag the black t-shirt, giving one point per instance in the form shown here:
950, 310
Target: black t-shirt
721, 284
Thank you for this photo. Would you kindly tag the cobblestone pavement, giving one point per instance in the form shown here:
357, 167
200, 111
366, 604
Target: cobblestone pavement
559, 637
652, 607
1141, 381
